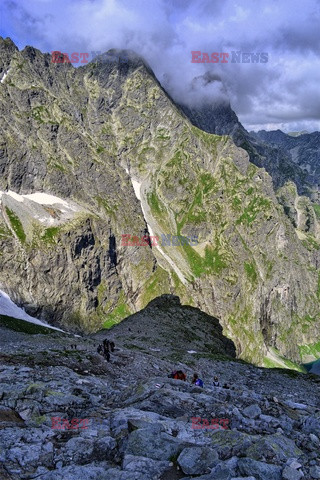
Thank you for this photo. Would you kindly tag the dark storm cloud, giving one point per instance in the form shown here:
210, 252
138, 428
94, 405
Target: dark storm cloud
281, 93
302, 37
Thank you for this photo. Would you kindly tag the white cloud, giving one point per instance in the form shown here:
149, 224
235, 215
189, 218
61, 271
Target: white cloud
166, 31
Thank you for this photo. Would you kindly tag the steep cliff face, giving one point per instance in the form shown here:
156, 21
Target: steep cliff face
112, 154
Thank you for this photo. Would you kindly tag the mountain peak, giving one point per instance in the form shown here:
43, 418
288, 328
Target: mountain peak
8, 44
122, 56
7, 49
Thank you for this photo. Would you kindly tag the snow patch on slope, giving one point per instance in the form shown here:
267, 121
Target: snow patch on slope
137, 190
43, 207
41, 198
136, 187
15, 195
47, 199
10, 309
4, 76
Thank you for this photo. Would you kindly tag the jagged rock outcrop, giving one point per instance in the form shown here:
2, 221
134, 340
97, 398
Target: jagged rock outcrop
121, 158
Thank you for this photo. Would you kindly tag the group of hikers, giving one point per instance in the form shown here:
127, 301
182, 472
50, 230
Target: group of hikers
180, 375
105, 348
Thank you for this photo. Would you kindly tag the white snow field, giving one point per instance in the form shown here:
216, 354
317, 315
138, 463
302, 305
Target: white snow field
41, 198
10, 309
137, 190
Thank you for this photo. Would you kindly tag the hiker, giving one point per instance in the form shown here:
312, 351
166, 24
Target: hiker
112, 346
106, 352
216, 382
178, 375
196, 380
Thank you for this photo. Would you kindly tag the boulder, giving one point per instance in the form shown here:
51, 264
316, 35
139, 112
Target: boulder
197, 460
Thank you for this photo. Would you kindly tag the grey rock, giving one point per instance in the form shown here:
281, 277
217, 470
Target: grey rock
221, 471
314, 439
78, 451
153, 443
88, 472
311, 424
243, 478
146, 466
293, 463
298, 406
260, 470
104, 448
24, 455
290, 473
315, 472
253, 411
197, 460
267, 418
275, 447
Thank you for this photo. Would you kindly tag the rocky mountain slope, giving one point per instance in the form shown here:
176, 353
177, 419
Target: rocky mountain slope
291, 160
220, 119
136, 423
303, 149
90, 154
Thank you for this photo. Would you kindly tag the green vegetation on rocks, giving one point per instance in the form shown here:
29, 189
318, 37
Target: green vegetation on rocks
119, 312
310, 350
50, 234
23, 326
16, 225
251, 272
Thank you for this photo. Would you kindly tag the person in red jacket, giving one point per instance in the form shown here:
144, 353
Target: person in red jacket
178, 375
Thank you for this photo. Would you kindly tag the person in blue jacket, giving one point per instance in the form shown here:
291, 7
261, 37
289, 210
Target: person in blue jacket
197, 381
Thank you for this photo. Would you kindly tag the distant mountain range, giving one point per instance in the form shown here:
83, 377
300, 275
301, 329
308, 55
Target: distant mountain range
294, 156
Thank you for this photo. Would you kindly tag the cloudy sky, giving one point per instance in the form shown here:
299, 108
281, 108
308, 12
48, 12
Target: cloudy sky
281, 93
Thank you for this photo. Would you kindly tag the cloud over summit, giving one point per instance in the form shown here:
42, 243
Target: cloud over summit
282, 93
